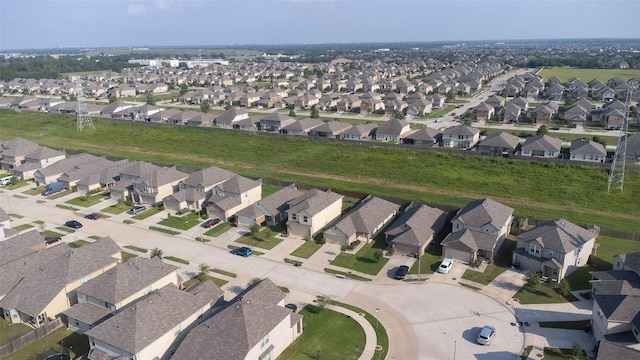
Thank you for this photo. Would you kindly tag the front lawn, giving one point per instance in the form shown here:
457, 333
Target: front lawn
364, 260
541, 294
490, 273
183, 223
22, 227
49, 233
329, 334
126, 255
10, 332
429, 261
265, 239
561, 354
382, 338
579, 280
175, 259
610, 246
117, 208
147, 213
135, 248
89, 200
219, 229
59, 341
306, 250
78, 243
163, 230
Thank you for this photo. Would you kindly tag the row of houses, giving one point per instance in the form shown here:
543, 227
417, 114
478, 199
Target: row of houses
137, 308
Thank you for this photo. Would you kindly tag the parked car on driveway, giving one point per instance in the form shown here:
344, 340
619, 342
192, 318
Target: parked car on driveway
445, 266
50, 240
74, 224
486, 335
293, 307
401, 272
92, 216
242, 251
210, 223
136, 209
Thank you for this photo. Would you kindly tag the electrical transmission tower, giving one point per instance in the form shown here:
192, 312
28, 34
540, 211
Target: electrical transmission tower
616, 174
83, 113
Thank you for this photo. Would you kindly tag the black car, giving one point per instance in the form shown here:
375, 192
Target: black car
92, 216
211, 222
293, 307
50, 240
74, 224
402, 271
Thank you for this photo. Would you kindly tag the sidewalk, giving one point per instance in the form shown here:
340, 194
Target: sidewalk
370, 334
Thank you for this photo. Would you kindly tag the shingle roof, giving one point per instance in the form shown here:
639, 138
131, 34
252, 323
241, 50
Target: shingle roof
631, 261
239, 184
481, 212
366, 216
275, 202
417, 225
360, 129
88, 313
587, 147
392, 127
619, 308
558, 235
332, 127
208, 177
468, 240
230, 114
542, 142
313, 201
461, 130
608, 350
501, 139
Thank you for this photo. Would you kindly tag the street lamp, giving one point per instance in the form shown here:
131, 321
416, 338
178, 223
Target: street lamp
419, 260
377, 311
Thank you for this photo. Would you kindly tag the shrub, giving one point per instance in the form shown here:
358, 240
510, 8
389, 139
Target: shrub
532, 279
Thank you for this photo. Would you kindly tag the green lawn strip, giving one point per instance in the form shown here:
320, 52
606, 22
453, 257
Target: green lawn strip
569, 325
346, 274
127, 255
219, 229
437, 178
306, 250
34, 191
128, 222
560, 354
610, 246
363, 261
225, 273
429, 261
59, 194
88, 200
469, 286
265, 239
49, 233
24, 197
541, 294
526, 352
175, 259
135, 248
183, 222
147, 213
219, 282
293, 262
74, 343
95, 237
254, 252
19, 184
117, 208
579, 280
382, 338
490, 273
65, 229
268, 189
22, 227
17, 216
78, 243
9, 332
440, 113
66, 207
39, 222
284, 289
324, 331
163, 230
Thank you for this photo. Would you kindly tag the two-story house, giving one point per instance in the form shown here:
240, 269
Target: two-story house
271, 210
195, 189
38, 159
311, 212
478, 231
233, 195
555, 248
13, 152
415, 229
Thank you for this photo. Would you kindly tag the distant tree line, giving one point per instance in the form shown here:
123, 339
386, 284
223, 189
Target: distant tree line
583, 60
47, 67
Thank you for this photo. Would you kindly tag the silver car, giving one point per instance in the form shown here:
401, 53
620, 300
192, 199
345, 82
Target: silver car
486, 335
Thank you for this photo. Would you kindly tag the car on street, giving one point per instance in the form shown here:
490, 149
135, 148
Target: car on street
486, 335
74, 224
136, 209
401, 272
293, 307
92, 216
242, 251
445, 266
211, 222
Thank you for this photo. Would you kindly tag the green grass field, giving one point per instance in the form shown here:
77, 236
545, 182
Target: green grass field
540, 190
306, 250
586, 75
613, 246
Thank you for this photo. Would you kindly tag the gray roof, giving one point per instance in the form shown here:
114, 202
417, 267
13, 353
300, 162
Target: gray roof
619, 308
633, 145
313, 201
461, 130
88, 313
587, 147
239, 184
208, 177
68, 164
83, 170
43, 152
631, 261
18, 147
366, 216
542, 142
478, 213
501, 139
304, 124
417, 225
243, 323
143, 322
558, 235
126, 279
230, 114
468, 240
608, 350
425, 134
277, 202
360, 129
51, 277
332, 127
392, 127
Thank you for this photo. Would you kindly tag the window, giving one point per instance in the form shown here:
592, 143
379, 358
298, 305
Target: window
176, 330
264, 341
85, 279
305, 219
534, 249
294, 217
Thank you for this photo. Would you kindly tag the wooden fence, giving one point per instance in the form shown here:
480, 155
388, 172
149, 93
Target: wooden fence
25, 340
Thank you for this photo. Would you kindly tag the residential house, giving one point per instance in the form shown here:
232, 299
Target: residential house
40, 158
633, 147
231, 116
195, 189
424, 137
111, 291
555, 92
350, 103
146, 183
182, 117
51, 173
302, 127
274, 122
271, 210
103, 179
255, 325
201, 119
115, 107
71, 177
544, 113
330, 129
415, 229
576, 115
233, 195
555, 248
162, 117
495, 100
420, 107
148, 327
460, 136
587, 150
484, 111
543, 146
393, 130
14, 152
311, 212
56, 272
499, 144
613, 118
511, 113
478, 231
143, 112
359, 132
608, 350
363, 222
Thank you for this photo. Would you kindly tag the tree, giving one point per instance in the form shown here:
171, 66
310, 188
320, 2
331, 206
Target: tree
398, 115
578, 352
315, 113
569, 100
564, 288
203, 270
112, 99
183, 89
204, 106
292, 113
156, 252
599, 139
255, 229
450, 96
150, 99
542, 130
532, 279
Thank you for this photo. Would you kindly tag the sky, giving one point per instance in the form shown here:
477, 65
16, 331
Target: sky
44, 24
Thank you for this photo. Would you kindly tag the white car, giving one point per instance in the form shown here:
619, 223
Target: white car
486, 335
445, 266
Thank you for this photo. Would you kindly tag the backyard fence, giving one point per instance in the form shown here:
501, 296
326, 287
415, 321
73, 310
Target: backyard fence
25, 340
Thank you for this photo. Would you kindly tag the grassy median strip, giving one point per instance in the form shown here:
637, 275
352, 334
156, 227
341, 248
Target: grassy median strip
135, 248
569, 325
175, 259
66, 207
225, 273
163, 230
22, 227
219, 229
346, 274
